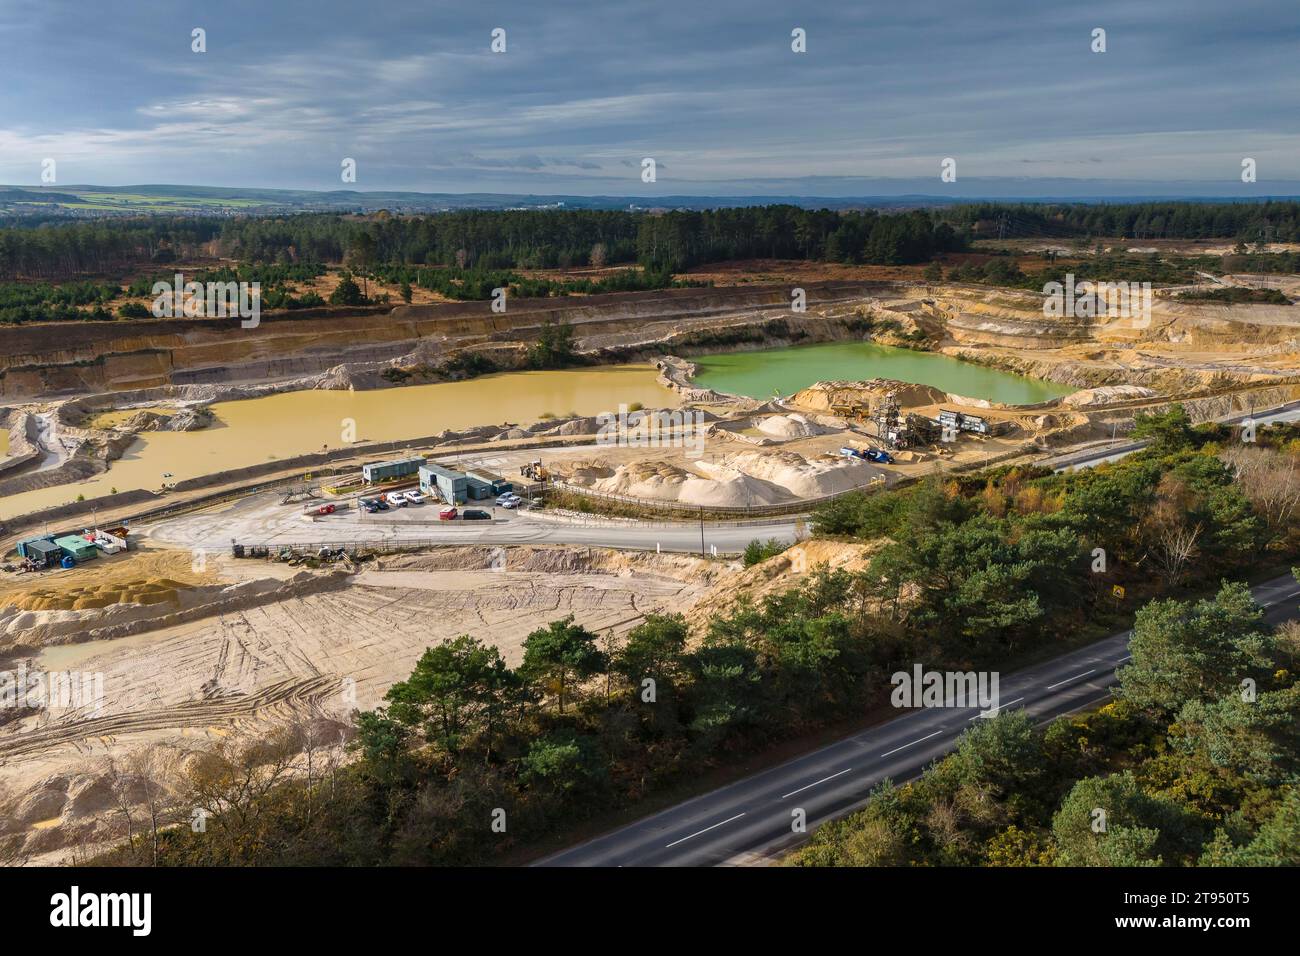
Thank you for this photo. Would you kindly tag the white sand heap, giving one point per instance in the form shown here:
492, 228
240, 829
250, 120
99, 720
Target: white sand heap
664, 481
743, 479
1108, 395
798, 476
793, 425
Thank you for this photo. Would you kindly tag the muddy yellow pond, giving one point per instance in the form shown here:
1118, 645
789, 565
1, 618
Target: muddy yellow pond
281, 426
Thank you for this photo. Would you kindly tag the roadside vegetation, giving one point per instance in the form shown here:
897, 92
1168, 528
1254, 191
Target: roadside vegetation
1196, 763
756, 552
985, 570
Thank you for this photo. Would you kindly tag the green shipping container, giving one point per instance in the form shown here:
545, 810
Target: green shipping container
77, 547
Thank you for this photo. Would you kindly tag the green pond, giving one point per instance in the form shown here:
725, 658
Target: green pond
785, 371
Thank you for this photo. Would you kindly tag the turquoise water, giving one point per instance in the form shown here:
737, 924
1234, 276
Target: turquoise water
785, 371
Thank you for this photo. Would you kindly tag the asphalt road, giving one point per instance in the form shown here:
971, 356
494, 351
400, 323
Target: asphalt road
1282, 413
262, 520
752, 817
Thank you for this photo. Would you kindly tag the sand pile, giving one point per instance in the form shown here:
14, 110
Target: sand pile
151, 591
730, 489
665, 481
907, 456
1109, 394
823, 395
797, 476
643, 479
573, 426
744, 479
157, 606
793, 425
143, 422
582, 471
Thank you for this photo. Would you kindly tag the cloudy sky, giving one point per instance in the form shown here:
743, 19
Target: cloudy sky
711, 89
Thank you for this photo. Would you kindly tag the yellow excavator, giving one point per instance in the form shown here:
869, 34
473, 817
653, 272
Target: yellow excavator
535, 471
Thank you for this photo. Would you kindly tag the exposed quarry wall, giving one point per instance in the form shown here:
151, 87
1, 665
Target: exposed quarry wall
110, 356
23, 446
116, 356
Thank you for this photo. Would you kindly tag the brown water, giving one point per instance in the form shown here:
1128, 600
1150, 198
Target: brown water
281, 426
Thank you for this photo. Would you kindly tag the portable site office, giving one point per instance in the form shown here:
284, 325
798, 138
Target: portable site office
491, 485
77, 547
24, 546
41, 552
445, 484
388, 470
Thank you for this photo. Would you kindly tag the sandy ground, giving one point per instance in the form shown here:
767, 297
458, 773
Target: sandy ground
330, 650
124, 569
322, 654
772, 458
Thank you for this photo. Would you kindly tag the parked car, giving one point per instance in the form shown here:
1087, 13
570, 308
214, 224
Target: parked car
381, 504
474, 514
396, 499
325, 509
875, 454
511, 503
447, 514
508, 496
414, 497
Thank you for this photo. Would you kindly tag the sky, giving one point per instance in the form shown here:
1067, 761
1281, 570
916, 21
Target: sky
711, 90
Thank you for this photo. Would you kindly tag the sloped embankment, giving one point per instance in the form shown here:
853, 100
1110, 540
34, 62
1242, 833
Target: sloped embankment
111, 356
101, 612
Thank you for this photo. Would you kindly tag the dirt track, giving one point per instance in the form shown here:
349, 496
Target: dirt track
317, 655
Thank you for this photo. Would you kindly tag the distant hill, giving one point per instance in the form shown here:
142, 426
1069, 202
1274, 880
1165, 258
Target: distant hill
91, 201
13, 194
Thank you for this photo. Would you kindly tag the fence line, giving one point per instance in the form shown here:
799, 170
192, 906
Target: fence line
585, 519
352, 547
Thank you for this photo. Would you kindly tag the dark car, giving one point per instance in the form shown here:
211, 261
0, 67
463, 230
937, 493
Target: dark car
381, 504
474, 514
